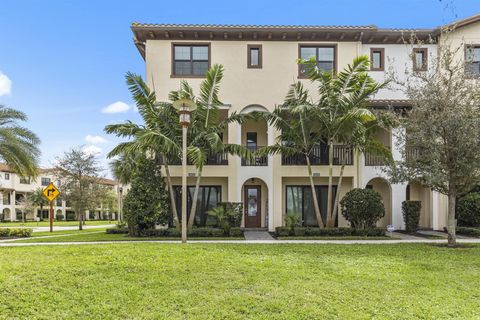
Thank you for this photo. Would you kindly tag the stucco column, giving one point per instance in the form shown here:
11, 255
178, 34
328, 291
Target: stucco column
13, 211
396, 152
399, 194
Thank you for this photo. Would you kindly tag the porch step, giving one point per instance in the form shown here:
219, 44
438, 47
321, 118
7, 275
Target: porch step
257, 235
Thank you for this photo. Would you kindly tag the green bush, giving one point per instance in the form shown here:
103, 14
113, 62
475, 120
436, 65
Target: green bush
172, 232
228, 215
235, 232
206, 232
283, 231
59, 217
292, 220
469, 232
328, 232
21, 232
154, 233
70, 216
117, 231
362, 208
411, 214
372, 232
299, 231
468, 210
91, 215
4, 232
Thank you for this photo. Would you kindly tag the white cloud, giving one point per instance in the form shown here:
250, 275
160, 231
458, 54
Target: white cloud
116, 107
92, 150
5, 84
95, 139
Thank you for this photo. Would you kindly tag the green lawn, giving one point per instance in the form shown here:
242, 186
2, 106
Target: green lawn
55, 223
238, 281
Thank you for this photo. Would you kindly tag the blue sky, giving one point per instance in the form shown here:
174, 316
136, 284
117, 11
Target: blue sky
63, 62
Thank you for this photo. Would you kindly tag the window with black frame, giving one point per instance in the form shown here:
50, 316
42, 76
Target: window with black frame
325, 57
190, 60
208, 198
299, 200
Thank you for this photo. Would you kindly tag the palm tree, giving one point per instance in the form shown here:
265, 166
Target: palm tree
299, 133
159, 135
206, 127
38, 199
18, 145
342, 109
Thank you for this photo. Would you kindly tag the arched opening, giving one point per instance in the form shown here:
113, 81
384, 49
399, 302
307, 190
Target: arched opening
59, 215
254, 135
255, 203
382, 186
6, 214
417, 192
385, 137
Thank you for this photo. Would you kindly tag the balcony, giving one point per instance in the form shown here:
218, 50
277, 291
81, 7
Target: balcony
374, 160
342, 155
219, 159
257, 161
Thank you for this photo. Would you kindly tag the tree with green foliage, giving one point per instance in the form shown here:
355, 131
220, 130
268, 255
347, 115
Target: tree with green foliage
362, 208
78, 173
440, 144
18, 145
146, 203
39, 200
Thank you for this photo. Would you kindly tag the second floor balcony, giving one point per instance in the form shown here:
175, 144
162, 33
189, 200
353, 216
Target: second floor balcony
342, 155
257, 161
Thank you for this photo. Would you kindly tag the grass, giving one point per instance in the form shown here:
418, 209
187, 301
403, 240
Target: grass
45, 223
238, 281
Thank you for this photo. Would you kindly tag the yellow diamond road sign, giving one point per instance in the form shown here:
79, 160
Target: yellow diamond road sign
51, 192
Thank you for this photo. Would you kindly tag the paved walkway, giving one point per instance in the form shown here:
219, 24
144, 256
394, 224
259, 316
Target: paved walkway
254, 235
311, 242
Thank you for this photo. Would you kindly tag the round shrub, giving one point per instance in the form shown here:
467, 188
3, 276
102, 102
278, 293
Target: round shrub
468, 210
362, 208
411, 214
59, 217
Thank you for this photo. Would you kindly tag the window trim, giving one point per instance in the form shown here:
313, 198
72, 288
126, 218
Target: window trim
319, 45
382, 59
7, 176
249, 56
186, 44
467, 47
425, 59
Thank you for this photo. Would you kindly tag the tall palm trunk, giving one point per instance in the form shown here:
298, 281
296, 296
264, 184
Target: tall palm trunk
172, 194
193, 210
337, 198
451, 224
318, 214
330, 184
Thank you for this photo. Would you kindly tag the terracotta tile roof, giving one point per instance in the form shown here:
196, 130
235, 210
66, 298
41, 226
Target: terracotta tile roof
248, 26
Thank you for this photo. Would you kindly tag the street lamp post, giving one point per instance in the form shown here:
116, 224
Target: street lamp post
185, 108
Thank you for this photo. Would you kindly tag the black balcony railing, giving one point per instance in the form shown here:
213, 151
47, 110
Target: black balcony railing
375, 160
258, 161
218, 159
319, 156
412, 153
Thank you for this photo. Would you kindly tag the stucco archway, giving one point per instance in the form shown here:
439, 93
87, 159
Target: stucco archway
384, 188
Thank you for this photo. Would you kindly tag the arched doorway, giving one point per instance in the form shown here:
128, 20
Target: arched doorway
417, 192
382, 186
6, 214
255, 203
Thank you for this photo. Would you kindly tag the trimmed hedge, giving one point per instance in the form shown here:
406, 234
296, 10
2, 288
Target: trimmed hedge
15, 233
329, 232
362, 208
59, 217
117, 231
469, 232
411, 214
195, 232
468, 210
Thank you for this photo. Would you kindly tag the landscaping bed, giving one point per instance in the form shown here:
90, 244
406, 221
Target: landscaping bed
309, 232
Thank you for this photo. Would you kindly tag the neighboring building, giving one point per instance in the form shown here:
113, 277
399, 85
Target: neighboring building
260, 64
13, 188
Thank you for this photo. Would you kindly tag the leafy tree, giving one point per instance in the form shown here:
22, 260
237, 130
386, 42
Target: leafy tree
38, 199
26, 206
440, 141
342, 109
146, 204
78, 173
18, 145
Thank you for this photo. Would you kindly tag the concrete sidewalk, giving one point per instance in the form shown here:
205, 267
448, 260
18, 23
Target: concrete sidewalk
271, 242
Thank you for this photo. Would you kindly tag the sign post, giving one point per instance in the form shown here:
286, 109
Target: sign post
51, 193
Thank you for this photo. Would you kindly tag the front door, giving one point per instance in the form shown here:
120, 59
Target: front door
252, 201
